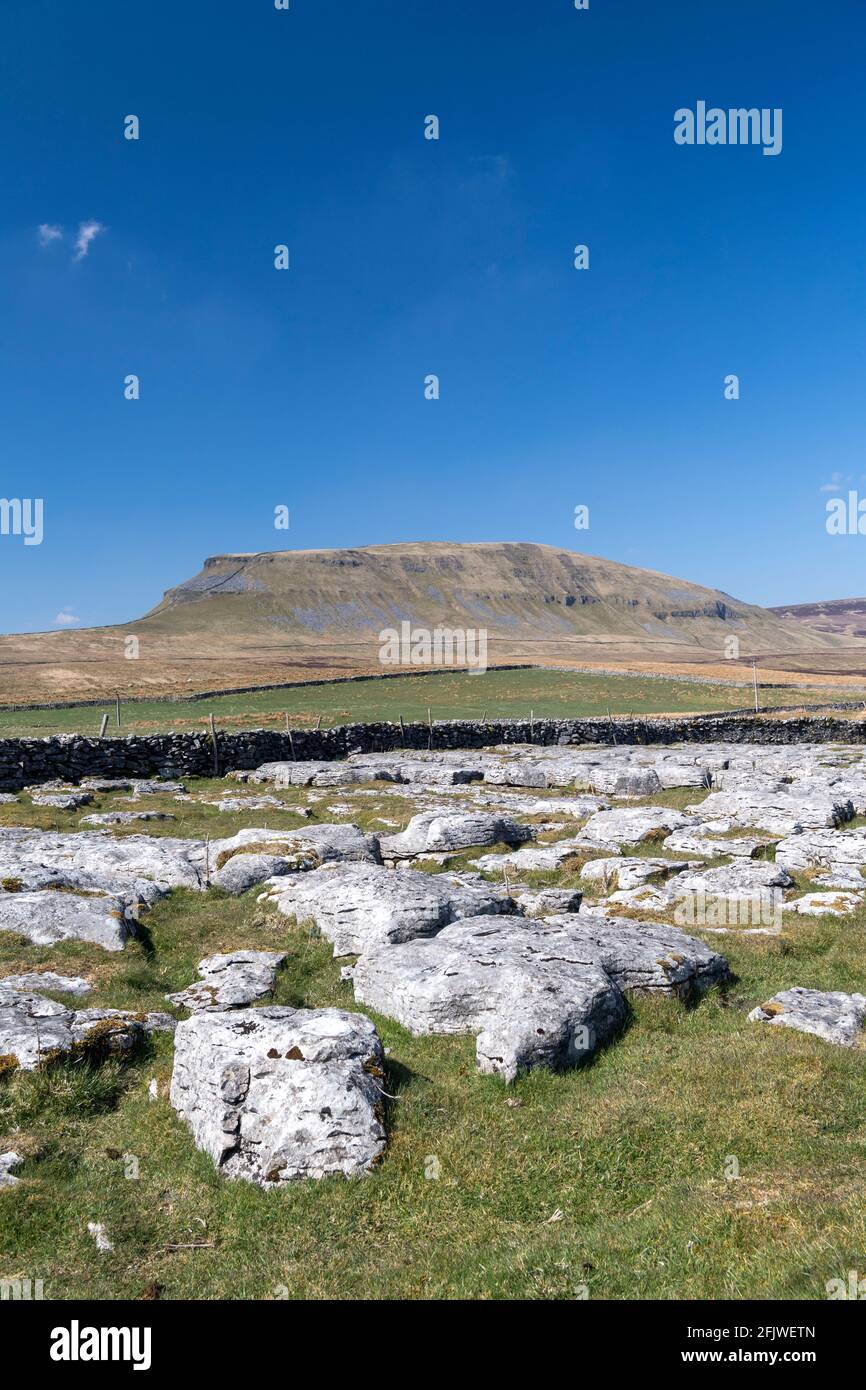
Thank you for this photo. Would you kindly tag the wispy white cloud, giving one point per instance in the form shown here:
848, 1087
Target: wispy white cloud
47, 233
66, 618
86, 232
837, 480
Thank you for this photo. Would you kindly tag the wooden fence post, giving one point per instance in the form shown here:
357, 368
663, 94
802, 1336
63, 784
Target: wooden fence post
216, 756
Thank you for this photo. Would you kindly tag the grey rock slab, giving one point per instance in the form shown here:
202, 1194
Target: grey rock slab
446, 831
32, 1027
629, 825
781, 813
518, 985
835, 850
542, 902
46, 917
232, 980
830, 904
106, 784
98, 859
699, 842
287, 774
245, 871
637, 782
8, 1163
836, 1017
631, 871
691, 894
62, 801
841, 877
37, 982
305, 847
741, 879
533, 858
160, 787
275, 1094
358, 906
123, 817
255, 803
646, 958
34, 1030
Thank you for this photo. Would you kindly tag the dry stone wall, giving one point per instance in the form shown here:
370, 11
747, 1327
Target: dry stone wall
26, 761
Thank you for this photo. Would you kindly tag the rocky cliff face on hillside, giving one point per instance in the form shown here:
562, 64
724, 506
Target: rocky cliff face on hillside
516, 591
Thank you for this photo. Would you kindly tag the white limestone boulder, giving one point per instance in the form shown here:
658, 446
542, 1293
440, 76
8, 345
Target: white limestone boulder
275, 1094
447, 832
629, 825
836, 1017
46, 917
231, 980
513, 983
360, 906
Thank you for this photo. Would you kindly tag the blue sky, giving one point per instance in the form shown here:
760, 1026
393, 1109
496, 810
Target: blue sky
408, 257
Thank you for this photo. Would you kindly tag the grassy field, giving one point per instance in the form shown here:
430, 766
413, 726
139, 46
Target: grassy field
609, 1182
503, 694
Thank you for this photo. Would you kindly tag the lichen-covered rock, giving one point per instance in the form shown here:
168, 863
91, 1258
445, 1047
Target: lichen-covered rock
161, 787
518, 985
274, 1094
232, 980
637, 782
836, 1017
32, 1027
255, 803
742, 879
89, 1025
35, 1030
358, 906
838, 851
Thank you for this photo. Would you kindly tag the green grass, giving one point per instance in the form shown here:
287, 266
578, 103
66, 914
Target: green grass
631, 1150
499, 694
